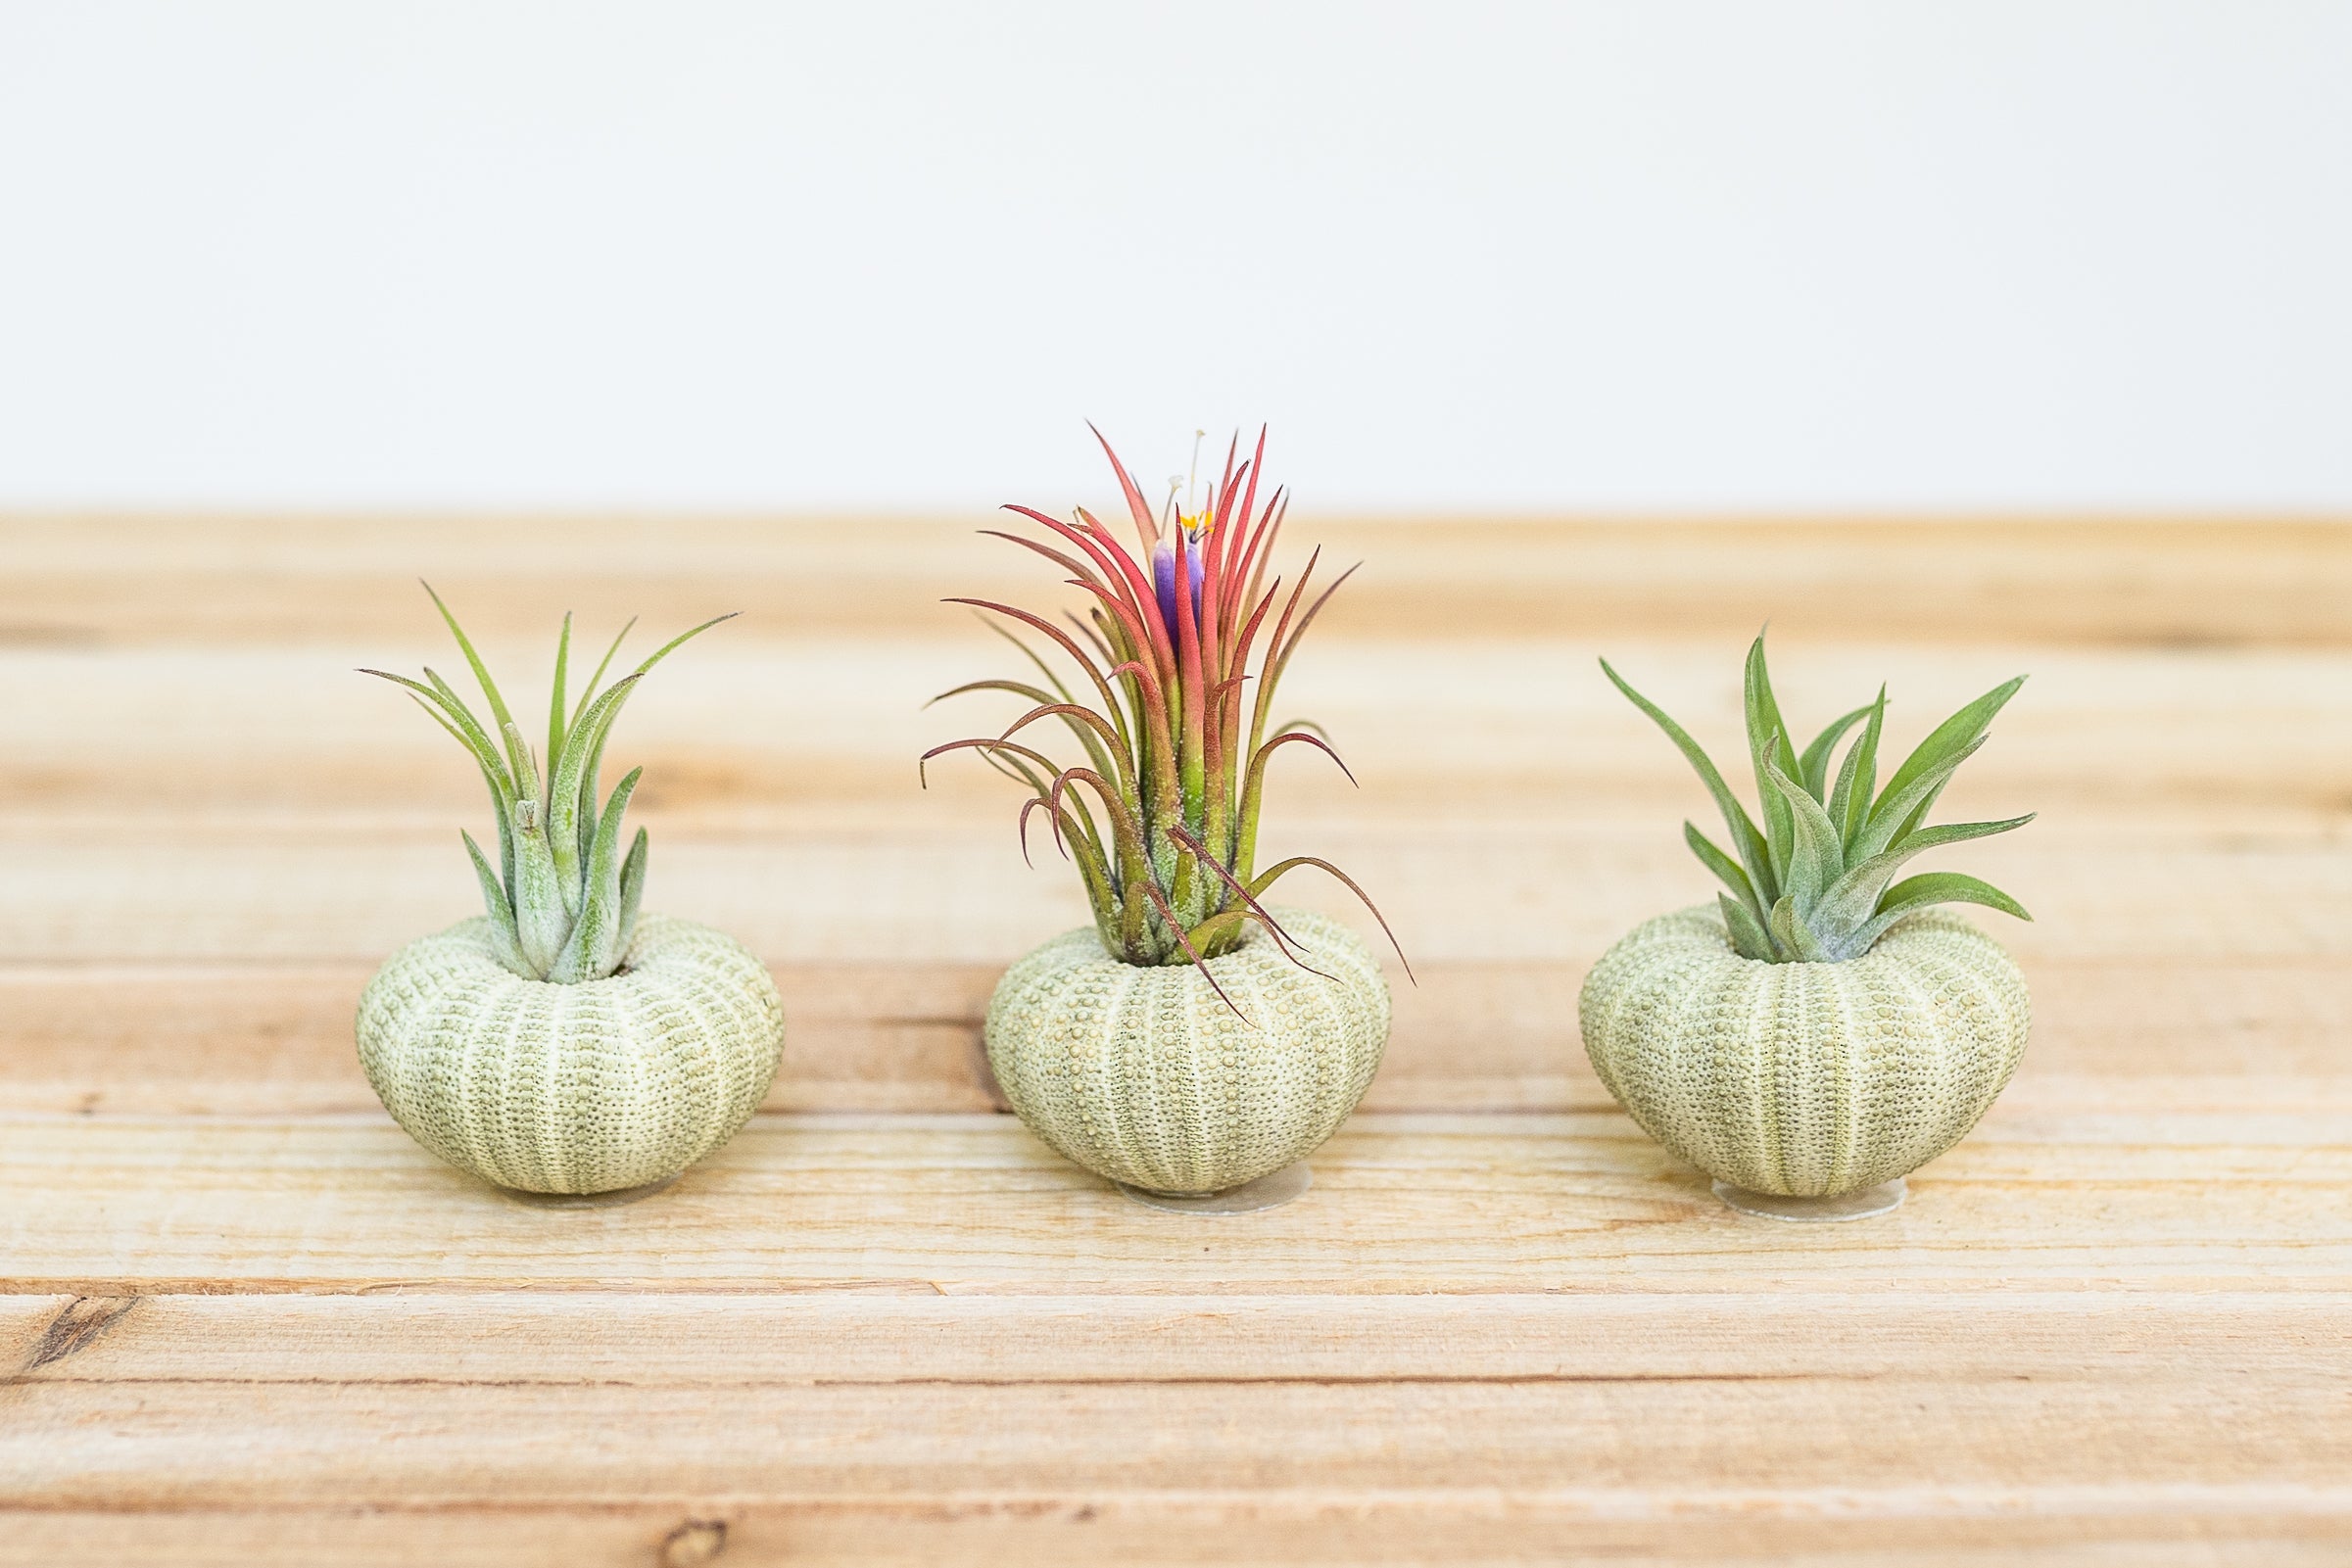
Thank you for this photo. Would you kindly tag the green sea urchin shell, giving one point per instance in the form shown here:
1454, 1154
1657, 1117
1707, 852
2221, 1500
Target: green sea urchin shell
589, 1087
1141, 1073
1806, 1079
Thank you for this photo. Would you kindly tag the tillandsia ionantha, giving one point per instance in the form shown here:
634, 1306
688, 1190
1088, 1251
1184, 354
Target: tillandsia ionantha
563, 902
1175, 737
1815, 884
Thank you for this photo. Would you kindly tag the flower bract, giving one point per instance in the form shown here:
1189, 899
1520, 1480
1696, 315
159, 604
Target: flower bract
1176, 661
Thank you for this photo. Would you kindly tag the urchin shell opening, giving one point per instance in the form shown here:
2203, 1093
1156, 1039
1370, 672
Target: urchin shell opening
1253, 934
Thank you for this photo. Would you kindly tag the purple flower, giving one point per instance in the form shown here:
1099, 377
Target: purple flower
1163, 578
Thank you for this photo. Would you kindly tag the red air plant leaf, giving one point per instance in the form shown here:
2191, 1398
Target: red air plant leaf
1164, 832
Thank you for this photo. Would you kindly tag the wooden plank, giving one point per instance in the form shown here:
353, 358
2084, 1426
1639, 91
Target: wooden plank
2251, 1339
754, 728
1927, 1526
101, 1205
75, 581
876, 1415
536, 1445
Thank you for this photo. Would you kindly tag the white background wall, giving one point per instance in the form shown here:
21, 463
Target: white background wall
1650, 255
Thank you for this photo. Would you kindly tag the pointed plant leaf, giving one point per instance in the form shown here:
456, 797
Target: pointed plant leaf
588, 692
682, 638
1745, 840
503, 945
589, 953
1815, 858
1853, 899
541, 922
1858, 776
1792, 937
1812, 769
1726, 869
1900, 806
1954, 736
1915, 893
454, 716
633, 893
572, 792
1749, 938
1768, 744
563, 650
490, 688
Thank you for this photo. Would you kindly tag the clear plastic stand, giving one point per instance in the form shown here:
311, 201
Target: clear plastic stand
1884, 1198
586, 1200
1267, 1192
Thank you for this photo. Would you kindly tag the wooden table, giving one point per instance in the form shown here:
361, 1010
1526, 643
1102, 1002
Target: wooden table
248, 1322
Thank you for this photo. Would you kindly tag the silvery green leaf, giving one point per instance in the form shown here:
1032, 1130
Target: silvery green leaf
589, 953
1792, 938
1815, 858
541, 922
1749, 938
490, 688
572, 792
1853, 898
1915, 893
1752, 850
1768, 742
633, 890
1858, 776
503, 943
1724, 867
1812, 769
590, 689
1950, 741
555, 726
1897, 807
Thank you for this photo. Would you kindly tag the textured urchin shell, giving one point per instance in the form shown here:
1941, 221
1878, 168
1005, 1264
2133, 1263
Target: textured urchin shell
591, 1087
1806, 1079
1143, 1075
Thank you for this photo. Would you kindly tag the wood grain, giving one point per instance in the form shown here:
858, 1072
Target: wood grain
244, 1320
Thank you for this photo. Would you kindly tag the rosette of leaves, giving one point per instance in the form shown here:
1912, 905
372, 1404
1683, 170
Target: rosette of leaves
564, 897
1177, 663
1815, 882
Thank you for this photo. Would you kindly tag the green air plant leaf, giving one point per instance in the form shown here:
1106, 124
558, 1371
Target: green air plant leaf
1858, 776
1812, 885
1179, 647
562, 901
1812, 769
1745, 839
1768, 746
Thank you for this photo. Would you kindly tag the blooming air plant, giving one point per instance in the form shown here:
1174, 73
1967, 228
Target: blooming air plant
1815, 883
564, 900
1171, 715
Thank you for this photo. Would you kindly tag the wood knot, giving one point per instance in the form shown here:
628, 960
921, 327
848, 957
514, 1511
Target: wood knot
696, 1541
84, 1321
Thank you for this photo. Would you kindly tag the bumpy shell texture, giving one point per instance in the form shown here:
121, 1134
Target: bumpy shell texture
1141, 1073
590, 1087
1806, 1079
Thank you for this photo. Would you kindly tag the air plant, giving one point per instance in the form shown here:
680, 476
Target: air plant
1162, 815
1815, 884
564, 900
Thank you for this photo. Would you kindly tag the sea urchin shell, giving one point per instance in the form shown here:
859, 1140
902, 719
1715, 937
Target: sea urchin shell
1141, 1073
572, 1088
1806, 1079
